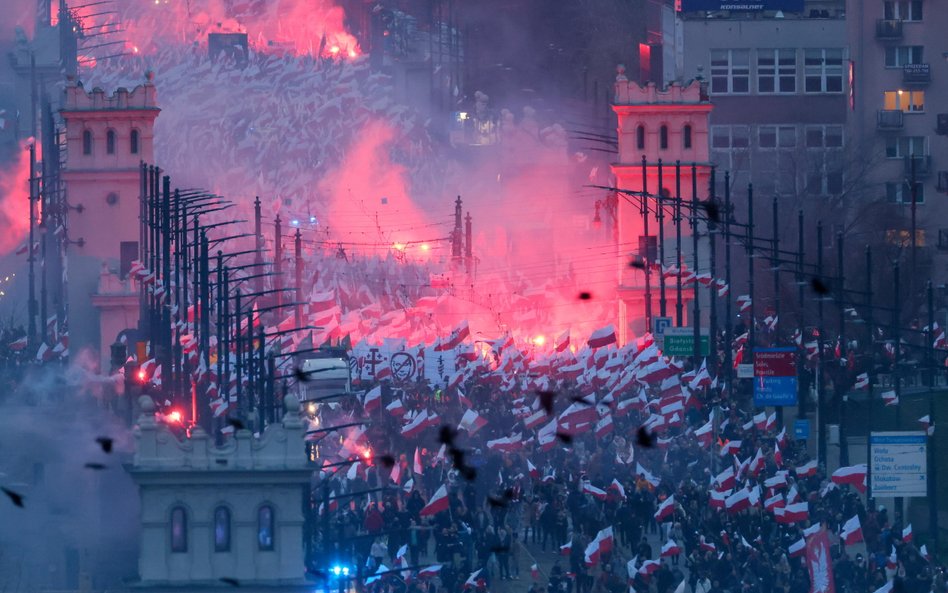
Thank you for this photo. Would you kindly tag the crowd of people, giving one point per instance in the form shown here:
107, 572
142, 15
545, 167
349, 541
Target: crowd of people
600, 511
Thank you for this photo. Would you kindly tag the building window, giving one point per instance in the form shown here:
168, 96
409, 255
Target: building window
265, 528
903, 146
823, 70
222, 529
110, 142
86, 142
179, 530
903, 55
640, 137
133, 148
767, 136
730, 71
902, 100
686, 137
663, 137
736, 137
903, 10
824, 136
900, 192
776, 71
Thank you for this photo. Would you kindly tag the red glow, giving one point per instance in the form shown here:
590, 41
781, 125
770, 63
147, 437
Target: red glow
175, 416
142, 376
367, 454
14, 201
539, 340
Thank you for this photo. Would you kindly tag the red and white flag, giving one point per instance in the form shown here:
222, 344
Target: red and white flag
396, 408
535, 572
458, 335
471, 422
507, 444
738, 501
373, 399
670, 549
429, 571
562, 342
907, 533
852, 531
533, 471
854, 475
602, 337
705, 435
438, 503
819, 562
416, 467
597, 493
806, 470
744, 302
665, 509
795, 513
416, 425
862, 381
604, 426
797, 548
567, 548
890, 398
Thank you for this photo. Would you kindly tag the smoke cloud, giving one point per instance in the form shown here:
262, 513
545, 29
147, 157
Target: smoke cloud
14, 202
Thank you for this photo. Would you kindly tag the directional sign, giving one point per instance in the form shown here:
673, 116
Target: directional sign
899, 464
801, 429
680, 341
775, 377
660, 324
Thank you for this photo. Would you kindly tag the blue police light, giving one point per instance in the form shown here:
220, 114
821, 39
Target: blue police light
338, 570
295, 222
312, 220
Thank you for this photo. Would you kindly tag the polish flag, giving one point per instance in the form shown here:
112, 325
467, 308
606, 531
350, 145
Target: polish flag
717, 498
532, 471
417, 468
535, 572
602, 337
373, 399
562, 342
924, 552
807, 469
854, 475
725, 479
796, 513
597, 493
907, 533
617, 486
702, 377
438, 503
648, 567
744, 302
396, 408
707, 546
730, 447
665, 509
852, 531
757, 464
670, 549
771, 422
567, 548
471, 422
862, 381
474, 579
926, 422
604, 426
760, 421
534, 419
778, 456
19, 344
798, 548
890, 398
775, 501
705, 435
429, 571
606, 539
793, 495
507, 444
409, 486
782, 437
416, 425
892, 562
458, 335
723, 288
396, 475
738, 501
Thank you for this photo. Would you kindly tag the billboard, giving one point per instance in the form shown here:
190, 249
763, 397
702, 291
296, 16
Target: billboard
899, 464
775, 377
700, 5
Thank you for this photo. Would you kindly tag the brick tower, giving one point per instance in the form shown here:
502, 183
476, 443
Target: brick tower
666, 125
106, 139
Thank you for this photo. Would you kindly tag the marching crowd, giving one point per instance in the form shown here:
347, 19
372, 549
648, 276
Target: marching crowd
731, 502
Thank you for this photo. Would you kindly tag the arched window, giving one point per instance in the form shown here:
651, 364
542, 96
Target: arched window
640, 137
133, 148
222, 529
110, 142
265, 527
179, 530
663, 137
87, 142
686, 136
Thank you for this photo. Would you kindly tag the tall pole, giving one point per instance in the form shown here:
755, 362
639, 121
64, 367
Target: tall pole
775, 266
896, 367
842, 386
728, 312
258, 242
31, 258
645, 244
678, 304
803, 396
752, 322
712, 287
660, 218
914, 191
696, 322
932, 465
298, 260
820, 398
238, 358
278, 259
870, 326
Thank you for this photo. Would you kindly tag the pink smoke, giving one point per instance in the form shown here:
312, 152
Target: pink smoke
14, 202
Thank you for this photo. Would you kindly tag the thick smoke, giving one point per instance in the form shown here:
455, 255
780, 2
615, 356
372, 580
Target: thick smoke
14, 202
75, 520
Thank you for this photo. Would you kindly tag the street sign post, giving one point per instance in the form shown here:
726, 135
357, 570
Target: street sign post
660, 324
801, 429
680, 341
775, 377
899, 464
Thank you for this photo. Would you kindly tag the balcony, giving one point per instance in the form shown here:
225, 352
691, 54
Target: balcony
942, 127
922, 165
916, 74
889, 119
942, 182
888, 30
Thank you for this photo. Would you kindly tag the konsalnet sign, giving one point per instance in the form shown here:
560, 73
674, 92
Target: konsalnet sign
696, 5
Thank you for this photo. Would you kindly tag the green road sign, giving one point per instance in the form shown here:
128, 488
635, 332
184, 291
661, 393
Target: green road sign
680, 341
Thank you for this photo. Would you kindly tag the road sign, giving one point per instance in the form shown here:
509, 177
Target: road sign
899, 464
801, 429
680, 341
660, 324
775, 377
745, 371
